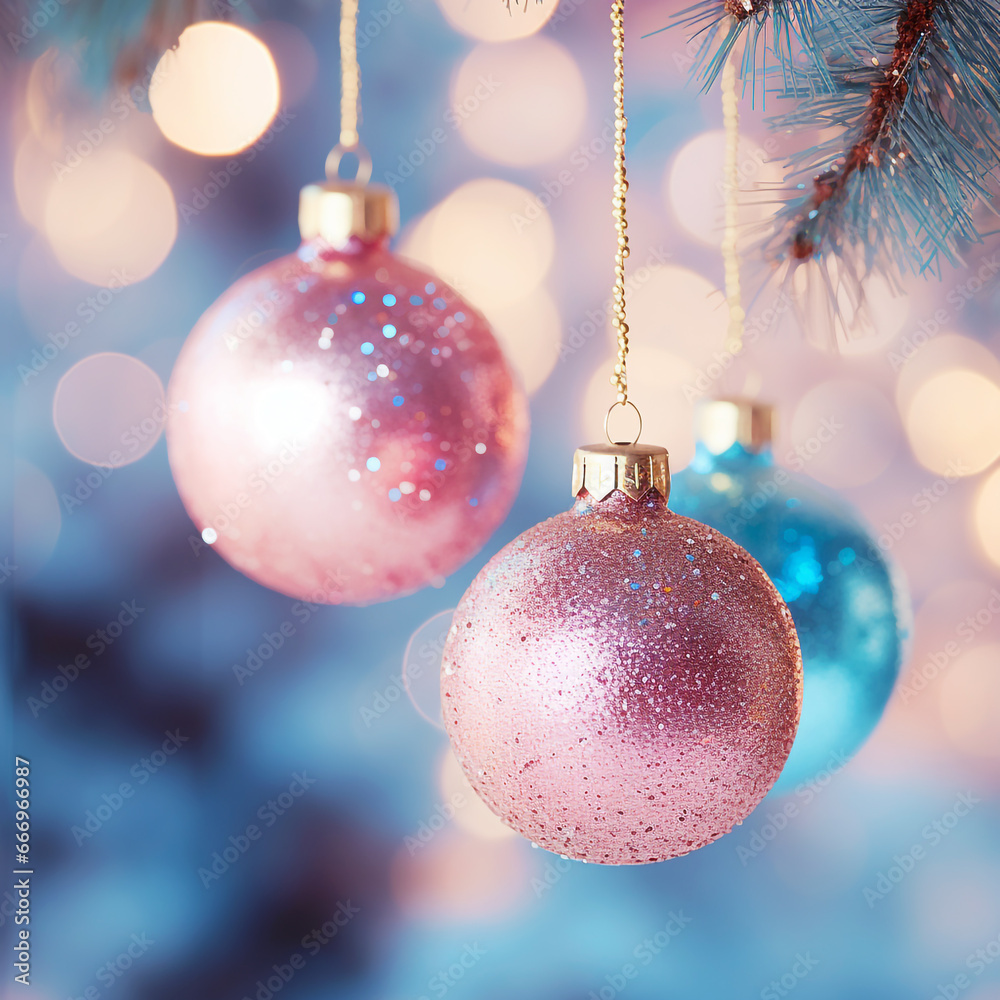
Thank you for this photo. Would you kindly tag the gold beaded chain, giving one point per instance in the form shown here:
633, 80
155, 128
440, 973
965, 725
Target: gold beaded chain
350, 99
350, 74
620, 378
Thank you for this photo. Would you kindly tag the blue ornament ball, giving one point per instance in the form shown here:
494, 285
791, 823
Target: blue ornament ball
848, 602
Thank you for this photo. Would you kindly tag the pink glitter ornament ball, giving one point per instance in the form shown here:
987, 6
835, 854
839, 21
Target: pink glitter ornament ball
622, 684
343, 427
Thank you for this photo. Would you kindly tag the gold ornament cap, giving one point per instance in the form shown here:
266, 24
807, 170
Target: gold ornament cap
338, 210
635, 469
721, 423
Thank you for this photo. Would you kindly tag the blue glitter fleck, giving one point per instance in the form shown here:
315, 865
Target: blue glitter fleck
429, 288
460, 317
440, 465
435, 350
388, 299
689, 557
643, 621
637, 553
394, 494
373, 464
635, 586
357, 297
644, 532
416, 300
367, 347
440, 303
473, 502
398, 400
372, 376
332, 318
715, 597
792, 502
388, 331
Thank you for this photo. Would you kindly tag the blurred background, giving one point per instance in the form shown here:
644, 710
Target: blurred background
138, 658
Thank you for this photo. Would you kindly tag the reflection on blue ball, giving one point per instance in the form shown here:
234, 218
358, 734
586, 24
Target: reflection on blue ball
849, 606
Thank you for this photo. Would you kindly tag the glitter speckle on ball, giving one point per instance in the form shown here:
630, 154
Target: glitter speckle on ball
325, 424
622, 684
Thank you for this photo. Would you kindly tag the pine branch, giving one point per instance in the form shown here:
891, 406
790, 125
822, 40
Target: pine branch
920, 140
911, 88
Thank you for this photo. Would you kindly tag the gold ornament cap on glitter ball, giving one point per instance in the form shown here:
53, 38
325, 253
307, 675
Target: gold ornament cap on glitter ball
635, 469
338, 210
721, 423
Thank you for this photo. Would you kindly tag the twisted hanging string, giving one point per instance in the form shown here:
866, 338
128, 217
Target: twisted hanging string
350, 74
731, 191
620, 378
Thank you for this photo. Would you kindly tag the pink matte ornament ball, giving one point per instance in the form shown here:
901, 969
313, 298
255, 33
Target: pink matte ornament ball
343, 427
622, 684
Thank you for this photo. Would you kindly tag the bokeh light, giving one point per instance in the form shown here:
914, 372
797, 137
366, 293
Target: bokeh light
844, 433
970, 701
921, 355
489, 239
217, 91
953, 423
529, 333
112, 220
33, 179
694, 190
453, 876
422, 666
656, 384
109, 409
37, 518
494, 22
678, 310
293, 55
987, 516
471, 814
520, 104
